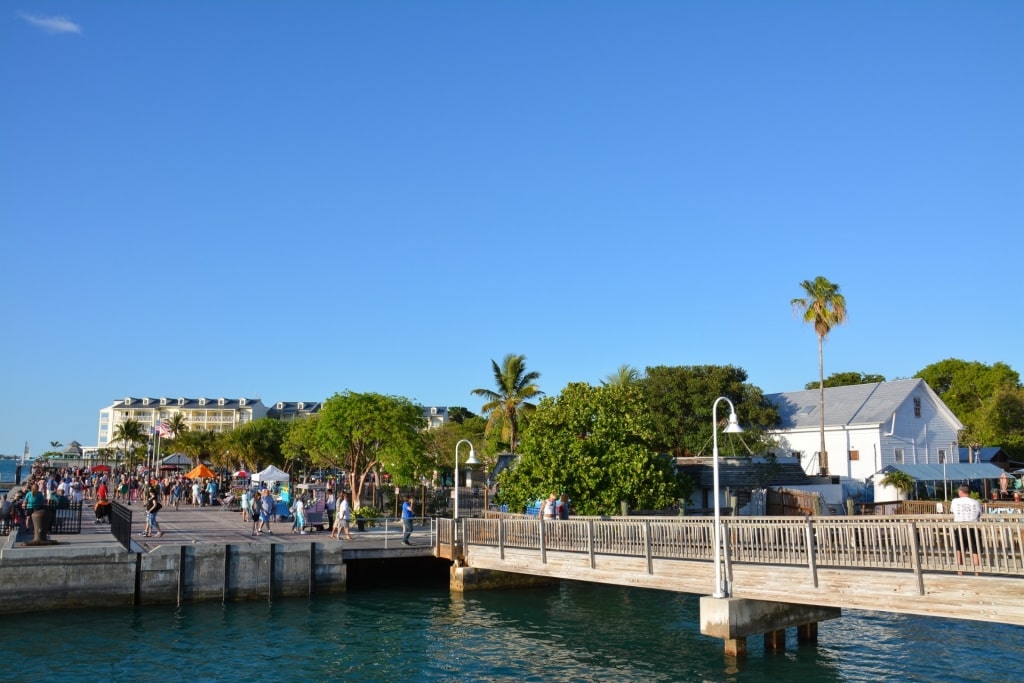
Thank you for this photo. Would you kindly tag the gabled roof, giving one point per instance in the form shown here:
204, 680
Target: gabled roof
858, 404
505, 461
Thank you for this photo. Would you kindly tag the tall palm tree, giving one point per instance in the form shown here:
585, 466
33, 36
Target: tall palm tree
178, 424
825, 307
514, 387
624, 376
129, 433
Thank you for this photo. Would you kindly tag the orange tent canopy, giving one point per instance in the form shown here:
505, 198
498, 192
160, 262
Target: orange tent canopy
201, 471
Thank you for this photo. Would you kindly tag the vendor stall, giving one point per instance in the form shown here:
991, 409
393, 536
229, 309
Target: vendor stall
277, 482
314, 497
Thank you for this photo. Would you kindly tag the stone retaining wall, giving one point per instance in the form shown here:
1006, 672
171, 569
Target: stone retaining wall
59, 577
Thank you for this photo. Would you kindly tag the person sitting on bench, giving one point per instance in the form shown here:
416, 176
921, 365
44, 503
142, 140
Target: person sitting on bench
102, 509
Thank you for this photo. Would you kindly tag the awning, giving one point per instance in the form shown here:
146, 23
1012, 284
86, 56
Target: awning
952, 472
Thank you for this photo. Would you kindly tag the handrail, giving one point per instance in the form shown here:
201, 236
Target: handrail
920, 543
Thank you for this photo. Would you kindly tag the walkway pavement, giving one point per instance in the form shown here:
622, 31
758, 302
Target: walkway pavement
220, 525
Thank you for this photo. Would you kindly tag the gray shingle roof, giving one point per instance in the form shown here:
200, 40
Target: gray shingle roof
744, 472
858, 404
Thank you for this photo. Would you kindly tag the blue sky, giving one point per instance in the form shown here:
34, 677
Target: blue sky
288, 200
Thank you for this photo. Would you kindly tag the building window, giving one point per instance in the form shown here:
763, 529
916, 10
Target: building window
942, 456
898, 455
854, 455
917, 406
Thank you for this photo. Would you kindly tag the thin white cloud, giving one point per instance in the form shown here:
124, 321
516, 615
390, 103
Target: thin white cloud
51, 24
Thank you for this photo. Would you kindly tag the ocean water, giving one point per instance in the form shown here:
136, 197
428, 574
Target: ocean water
7, 471
571, 632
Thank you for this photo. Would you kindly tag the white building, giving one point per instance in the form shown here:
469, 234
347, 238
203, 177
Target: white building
867, 427
435, 416
209, 414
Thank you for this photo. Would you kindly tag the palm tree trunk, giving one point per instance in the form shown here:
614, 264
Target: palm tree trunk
822, 454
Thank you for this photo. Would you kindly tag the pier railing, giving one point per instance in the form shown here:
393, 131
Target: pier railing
917, 544
121, 524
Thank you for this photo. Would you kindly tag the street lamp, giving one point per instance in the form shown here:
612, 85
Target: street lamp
471, 460
732, 428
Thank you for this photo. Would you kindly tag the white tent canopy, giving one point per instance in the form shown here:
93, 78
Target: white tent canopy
271, 474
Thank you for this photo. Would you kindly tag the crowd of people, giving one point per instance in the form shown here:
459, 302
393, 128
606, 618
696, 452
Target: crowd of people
98, 487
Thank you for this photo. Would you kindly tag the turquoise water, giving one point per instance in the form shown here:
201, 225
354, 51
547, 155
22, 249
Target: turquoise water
572, 632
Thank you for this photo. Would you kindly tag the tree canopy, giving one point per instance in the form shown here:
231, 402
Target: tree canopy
593, 443
368, 432
988, 399
510, 404
680, 400
254, 445
845, 379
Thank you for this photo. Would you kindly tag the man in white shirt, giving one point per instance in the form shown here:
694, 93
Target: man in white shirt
966, 509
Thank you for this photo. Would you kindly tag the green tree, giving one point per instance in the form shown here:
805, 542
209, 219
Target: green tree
178, 424
593, 443
824, 307
1001, 421
253, 445
510, 403
196, 444
439, 445
367, 432
680, 400
128, 434
300, 443
460, 414
967, 388
626, 374
846, 379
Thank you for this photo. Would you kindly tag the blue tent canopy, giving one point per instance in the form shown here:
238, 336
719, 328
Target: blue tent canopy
951, 472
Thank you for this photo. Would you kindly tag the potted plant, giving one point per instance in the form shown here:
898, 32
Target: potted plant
901, 481
365, 516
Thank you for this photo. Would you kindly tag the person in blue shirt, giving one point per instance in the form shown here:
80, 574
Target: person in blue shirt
407, 515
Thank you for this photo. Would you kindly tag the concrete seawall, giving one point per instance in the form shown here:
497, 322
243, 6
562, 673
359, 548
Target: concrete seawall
205, 553
69, 576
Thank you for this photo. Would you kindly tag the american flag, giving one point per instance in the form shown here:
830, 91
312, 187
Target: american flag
163, 429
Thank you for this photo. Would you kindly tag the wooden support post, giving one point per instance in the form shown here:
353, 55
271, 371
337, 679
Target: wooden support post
775, 641
647, 546
807, 633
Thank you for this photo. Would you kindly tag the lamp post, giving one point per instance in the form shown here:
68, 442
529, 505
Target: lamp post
732, 428
471, 460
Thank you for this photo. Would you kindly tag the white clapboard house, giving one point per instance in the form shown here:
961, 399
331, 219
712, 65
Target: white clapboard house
867, 427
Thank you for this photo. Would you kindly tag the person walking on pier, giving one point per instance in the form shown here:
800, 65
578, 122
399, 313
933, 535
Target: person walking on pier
153, 505
266, 511
343, 520
966, 510
407, 516
254, 512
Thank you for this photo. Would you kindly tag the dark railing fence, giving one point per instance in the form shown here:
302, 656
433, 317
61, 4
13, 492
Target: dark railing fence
121, 524
66, 519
